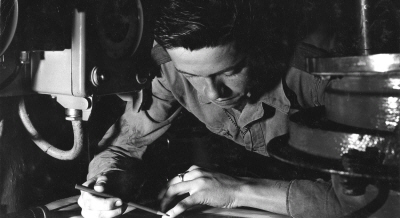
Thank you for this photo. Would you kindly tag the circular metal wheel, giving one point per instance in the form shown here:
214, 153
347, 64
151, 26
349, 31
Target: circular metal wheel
8, 23
120, 26
317, 143
367, 95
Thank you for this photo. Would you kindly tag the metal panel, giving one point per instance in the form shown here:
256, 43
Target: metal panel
52, 74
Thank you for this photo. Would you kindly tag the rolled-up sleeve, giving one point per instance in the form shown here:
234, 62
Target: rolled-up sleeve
312, 199
307, 90
315, 199
127, 139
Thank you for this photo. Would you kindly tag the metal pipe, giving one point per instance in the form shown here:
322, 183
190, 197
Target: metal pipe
364, 45
47, 147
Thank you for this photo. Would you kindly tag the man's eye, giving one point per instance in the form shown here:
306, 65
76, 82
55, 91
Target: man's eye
232, 73
188, 76
237, 70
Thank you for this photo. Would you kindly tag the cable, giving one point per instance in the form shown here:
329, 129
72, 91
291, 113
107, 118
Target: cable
47, 147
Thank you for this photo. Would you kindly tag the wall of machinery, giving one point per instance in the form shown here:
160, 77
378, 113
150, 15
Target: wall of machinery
71, 53
355, 136
45, 49
75, 51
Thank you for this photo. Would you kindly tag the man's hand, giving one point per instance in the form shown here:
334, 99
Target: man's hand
93, 206
204, 187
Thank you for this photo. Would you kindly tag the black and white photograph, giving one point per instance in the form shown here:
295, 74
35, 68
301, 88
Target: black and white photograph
200, 108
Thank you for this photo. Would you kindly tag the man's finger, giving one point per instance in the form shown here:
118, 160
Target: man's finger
174, 191
193, 167
171, 182
95, 180
187, 177
184, 205
89, 182
92, 202
101, 181
101, 213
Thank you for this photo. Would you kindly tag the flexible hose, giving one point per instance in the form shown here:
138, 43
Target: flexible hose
44, 145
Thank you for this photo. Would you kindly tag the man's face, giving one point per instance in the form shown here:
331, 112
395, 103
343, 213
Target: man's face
220, 73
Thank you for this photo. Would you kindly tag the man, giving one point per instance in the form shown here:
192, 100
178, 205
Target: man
224, 61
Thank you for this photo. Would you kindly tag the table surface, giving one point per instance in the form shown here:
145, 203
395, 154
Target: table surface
68, 208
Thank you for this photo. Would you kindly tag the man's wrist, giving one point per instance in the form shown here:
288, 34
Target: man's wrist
264, 194
242, 195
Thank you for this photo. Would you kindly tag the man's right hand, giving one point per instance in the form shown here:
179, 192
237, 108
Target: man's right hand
94, 206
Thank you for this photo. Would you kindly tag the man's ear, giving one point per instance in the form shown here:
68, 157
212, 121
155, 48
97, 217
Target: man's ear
160, 55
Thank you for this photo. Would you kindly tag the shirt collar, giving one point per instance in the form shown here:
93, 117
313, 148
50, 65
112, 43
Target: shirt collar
275, 98
203, 99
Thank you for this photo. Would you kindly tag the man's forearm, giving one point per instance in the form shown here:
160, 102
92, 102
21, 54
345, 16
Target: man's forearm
264, 194
113, 158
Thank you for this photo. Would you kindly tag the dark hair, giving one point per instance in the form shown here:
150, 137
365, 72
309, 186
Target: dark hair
195, 24
252, 24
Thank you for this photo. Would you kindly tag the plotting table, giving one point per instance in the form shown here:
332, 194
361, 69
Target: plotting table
68, 208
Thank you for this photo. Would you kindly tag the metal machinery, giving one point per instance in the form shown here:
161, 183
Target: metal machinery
356, 135
73, 50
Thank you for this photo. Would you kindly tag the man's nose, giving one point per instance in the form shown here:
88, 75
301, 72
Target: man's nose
212, 88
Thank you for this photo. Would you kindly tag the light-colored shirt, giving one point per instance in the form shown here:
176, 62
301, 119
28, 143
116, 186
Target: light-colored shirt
253, 127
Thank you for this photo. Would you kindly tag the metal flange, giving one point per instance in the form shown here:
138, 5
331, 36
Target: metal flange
371, 102
354, 65
367, 95
315, 142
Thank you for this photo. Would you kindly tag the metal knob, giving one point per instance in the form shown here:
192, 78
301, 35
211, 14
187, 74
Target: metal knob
97, 77
140, 79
